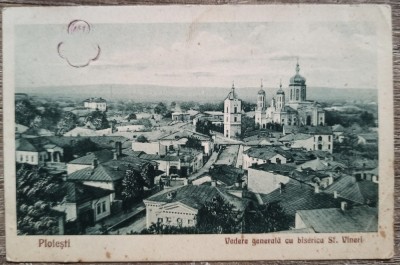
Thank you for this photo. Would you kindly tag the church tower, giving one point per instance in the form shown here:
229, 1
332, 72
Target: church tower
280, 98
232, 115
297, 87
261, 106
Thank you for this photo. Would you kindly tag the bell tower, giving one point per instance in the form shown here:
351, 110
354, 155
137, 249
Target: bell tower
232, 115
261, 106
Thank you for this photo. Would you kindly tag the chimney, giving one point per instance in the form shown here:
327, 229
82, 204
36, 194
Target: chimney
335, 194
316, 188
94, 163
281, 187
115, 156
213, 183
237, 184
343, 206
118, 148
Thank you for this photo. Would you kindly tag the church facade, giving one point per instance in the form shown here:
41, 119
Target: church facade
296, 111
232, 115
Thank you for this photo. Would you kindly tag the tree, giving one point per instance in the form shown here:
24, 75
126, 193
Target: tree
79, 148
145, 122
148, 174
194, 143
141, 139
67, 123
160, 109
132, 187
37, 192
98, 119
367, 119
248, 124
218, 217
265, 218
25, 112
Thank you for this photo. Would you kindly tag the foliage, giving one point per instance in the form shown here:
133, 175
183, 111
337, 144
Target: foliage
79, 148
248, 125
160, 109
194, 143
134, 182
50, 116
218, 217
185, 106
159, 228
25, 112
265, 218
67, 123
203, 127
98, 119
145, 122
141, 139
37, 192
248, 106
367, 119
211, 107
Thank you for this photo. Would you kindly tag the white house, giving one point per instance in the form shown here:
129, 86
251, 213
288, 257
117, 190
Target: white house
266, 178
178, 139
262, 155
37, 151
180, 206
95, 104
154, 148
129, 127
84, 202
309, 142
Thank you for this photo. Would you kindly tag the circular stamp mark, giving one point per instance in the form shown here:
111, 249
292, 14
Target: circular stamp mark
78, 26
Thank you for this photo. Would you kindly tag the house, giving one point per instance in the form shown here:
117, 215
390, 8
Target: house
180, 206
338, 133
129, 127
95, 104
295, 195
367, 139
358, 192
154, 147
358, 219
167, 163
266, 178
37, 151
84, 203
223, 175
19, 128
310, 138
83, 131
323, 165
106, 169
178, 139
181, 116
262, 155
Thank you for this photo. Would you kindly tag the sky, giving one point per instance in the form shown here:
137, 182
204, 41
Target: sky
330, 54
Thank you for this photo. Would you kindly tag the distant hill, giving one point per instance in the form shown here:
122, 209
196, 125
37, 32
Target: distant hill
150, 93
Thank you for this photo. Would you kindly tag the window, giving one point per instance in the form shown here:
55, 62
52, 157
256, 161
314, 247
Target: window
159, 220
329, 138
235, 110
190, 222
27, 158
235, 119
168, 219
32, 158
179, 221
99, 208
320, 147
297, 94
104, 206
329, 146
319, 138
21, 158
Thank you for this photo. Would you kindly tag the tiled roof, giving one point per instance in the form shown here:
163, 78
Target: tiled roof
29, 145
307, 129
295, 137
101, 156
158, 157
334, 220
226, 174
97, 100
347, 187
80, 193
296, 196
266, 152
185, 134
196, 196
282, 168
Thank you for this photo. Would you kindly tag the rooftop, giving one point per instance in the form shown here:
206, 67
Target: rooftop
195, 196
296, 196
80, 193
334, 220
295, 137
185, 134
266, 153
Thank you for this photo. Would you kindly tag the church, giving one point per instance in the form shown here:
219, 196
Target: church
297, 111
232, 115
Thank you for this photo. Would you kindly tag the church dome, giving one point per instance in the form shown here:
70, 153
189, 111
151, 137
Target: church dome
261, 92
297, 79
280, 91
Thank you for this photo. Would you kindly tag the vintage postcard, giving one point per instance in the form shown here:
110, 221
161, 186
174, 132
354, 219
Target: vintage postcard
198, 133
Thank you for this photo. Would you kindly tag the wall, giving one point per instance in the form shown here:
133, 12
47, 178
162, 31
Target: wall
248, 161
260, 181
33, 157
100, 202
71, 168
152, 148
